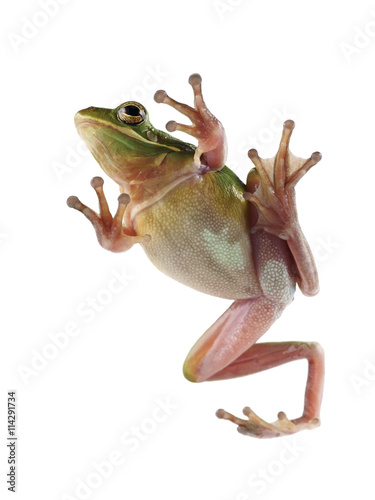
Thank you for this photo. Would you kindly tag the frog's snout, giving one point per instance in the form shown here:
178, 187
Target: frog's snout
78, 117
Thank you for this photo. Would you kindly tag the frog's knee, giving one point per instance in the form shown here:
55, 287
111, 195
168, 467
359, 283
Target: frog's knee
316, 350
277, 285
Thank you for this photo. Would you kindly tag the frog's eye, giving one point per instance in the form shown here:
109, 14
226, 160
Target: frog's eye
132, 113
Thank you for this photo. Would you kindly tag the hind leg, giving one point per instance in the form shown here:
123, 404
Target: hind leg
269, 355
228, 350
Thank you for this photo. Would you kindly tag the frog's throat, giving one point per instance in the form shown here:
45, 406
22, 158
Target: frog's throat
135, 208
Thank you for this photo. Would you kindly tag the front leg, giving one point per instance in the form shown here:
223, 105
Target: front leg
271, 189
211, 152
109, 230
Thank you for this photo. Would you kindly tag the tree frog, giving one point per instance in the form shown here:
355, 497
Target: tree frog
201, 225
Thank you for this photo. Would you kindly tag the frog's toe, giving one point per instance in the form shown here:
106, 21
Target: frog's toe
96, 182
271, 190
171, 126
74, 202
109, 230
195, 79
206, 128
160, 96
123, 199
254, 426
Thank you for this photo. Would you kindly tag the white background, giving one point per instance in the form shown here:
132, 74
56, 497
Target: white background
261, 62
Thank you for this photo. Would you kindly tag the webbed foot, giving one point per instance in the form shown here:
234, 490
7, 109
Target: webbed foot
254, 426
271, 189
109, 230
205, 126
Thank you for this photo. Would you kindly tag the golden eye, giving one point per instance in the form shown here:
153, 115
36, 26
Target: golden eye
131, 113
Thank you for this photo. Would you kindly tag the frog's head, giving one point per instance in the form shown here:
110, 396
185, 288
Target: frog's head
123, 141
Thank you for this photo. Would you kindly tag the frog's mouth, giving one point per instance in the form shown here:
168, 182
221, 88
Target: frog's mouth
83, 120
132, 138
123, 154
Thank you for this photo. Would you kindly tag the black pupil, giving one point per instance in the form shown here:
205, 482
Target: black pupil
132, 110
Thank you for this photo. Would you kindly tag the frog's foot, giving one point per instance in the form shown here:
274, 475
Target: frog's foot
254, 426
271, 186
109, 230
205, 127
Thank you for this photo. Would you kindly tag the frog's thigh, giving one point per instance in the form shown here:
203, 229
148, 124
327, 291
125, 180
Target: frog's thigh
246, 320
230, 336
